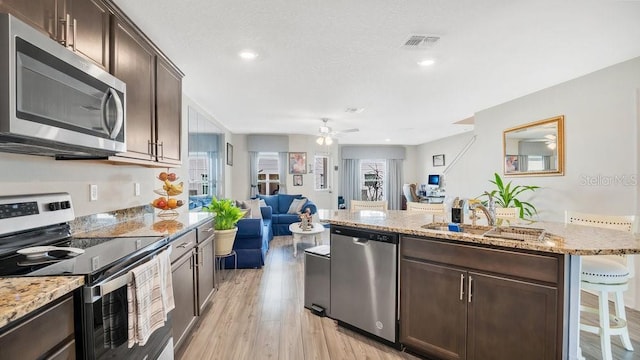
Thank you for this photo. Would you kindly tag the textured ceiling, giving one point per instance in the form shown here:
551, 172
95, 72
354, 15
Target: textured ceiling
318, 58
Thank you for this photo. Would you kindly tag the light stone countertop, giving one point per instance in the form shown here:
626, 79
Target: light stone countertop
22, 295
562, 238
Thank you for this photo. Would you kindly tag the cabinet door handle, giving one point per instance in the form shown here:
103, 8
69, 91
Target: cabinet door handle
75, 34
149, 147
65, 21
184, 245
461, 287
161, 146
469, 290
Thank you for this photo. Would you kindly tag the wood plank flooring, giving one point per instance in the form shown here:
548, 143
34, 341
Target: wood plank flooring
259, 314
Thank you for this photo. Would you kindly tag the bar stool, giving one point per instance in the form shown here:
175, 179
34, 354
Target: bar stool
604, 274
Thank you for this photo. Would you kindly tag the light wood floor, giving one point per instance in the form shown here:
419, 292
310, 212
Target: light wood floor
259, 314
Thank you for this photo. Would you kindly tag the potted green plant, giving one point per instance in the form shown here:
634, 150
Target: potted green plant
507, 196
225, 229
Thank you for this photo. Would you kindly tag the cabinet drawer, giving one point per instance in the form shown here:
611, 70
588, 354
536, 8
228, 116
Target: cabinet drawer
39, 335
533, 266
182, 245
205, 231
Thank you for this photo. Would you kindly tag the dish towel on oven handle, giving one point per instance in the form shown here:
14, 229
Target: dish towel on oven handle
166, 282
145, 304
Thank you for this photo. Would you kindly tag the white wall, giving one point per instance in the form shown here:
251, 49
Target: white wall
601, 132
297, 143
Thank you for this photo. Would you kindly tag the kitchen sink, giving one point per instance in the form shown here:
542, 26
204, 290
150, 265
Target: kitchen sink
468, 229
516, 233
506, 232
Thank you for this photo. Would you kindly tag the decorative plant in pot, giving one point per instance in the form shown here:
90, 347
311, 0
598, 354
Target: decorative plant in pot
506, 196
227, 216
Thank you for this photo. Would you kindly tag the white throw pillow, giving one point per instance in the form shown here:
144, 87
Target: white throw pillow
254, 206
296, 206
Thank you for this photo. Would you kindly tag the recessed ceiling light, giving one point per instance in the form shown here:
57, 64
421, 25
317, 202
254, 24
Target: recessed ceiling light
248, 54
426, 62
354, 110
387, 140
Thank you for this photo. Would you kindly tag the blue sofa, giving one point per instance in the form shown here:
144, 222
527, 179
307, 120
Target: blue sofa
280, 204
252, 241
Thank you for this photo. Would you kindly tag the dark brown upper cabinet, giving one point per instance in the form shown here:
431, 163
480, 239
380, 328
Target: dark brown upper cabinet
168, 112
133, 62
80, 25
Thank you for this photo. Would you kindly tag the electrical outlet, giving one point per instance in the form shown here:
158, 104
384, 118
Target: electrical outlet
94, 192
136, 189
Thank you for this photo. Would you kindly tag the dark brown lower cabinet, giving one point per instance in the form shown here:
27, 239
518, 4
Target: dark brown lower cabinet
48, 334
206, 273
433, 317
184, 294
463, 302
510, 319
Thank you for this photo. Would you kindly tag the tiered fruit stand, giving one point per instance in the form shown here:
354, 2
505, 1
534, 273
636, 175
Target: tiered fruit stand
167, 203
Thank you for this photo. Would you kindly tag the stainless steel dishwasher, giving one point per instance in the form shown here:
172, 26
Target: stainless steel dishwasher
364, 280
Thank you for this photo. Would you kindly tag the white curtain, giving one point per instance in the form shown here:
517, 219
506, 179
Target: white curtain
283, 166
253, 173
350, 180
523, 163
395, 179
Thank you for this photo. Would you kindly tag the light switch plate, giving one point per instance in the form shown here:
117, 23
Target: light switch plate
136, 189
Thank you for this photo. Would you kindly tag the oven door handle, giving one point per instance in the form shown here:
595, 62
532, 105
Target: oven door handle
96, 292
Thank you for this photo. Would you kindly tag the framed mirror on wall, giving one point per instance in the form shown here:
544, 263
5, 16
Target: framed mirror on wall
535, 149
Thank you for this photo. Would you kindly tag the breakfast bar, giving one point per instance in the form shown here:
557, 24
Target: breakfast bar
567, 241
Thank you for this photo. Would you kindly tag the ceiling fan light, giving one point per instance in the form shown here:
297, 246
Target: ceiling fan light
328, 140
320, 140
552, 146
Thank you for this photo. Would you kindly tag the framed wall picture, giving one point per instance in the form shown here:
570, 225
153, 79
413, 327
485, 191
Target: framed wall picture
438, 160
297, 163
297, 180
229, 154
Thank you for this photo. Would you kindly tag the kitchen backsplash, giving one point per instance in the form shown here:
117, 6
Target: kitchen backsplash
95, 222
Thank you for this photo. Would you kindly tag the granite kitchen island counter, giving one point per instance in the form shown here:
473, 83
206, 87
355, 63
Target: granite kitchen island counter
563, 238
568, 241
21, 295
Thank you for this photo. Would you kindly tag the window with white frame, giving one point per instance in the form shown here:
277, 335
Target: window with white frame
372, 177
321, 172
268, 175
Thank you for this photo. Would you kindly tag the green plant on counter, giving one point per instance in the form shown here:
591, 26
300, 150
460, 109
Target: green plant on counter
506, 196
227, 214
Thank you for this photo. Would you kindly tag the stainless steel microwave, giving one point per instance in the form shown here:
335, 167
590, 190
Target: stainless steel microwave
53, 101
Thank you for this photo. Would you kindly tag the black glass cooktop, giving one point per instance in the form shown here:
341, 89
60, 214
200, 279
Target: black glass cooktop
98, 254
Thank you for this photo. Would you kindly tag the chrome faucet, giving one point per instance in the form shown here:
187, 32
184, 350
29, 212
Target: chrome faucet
490, 212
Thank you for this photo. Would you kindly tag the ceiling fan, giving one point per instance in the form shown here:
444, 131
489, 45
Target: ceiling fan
326, 133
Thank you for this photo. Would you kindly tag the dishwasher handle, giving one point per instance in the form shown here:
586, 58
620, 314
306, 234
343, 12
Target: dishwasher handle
360, 241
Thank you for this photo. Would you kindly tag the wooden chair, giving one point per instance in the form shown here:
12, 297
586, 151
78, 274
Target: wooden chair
409, 192
356, 205
604, 274
436, 209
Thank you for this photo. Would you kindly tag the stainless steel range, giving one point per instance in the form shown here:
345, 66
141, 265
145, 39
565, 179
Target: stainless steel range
36, 240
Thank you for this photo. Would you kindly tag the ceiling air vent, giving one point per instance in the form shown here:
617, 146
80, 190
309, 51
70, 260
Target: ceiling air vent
420, 41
